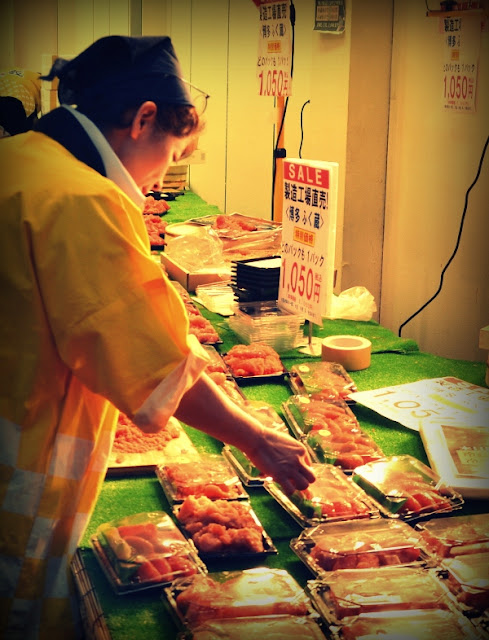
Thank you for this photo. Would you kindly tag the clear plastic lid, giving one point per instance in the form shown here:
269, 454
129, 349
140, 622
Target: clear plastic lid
285, 627
259, 591
468, 579
405, 487
352, 592
326, 378
456, 535
144, 550
358, 544
211, 475
331, 497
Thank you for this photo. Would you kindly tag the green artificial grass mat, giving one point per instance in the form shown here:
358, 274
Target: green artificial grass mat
394, 361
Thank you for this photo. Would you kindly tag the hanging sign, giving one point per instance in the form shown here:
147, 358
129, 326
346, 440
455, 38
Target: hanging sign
274, 49
310, 191
461, 58
329, 16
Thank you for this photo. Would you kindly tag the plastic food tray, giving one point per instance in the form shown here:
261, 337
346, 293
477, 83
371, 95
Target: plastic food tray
359, 544
405, 488
332, 497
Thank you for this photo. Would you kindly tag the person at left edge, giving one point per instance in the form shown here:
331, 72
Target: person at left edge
20, 100
89, 325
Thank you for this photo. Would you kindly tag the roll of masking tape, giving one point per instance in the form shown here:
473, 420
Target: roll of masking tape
353, 352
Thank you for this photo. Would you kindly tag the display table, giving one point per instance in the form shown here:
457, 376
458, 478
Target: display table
394, 361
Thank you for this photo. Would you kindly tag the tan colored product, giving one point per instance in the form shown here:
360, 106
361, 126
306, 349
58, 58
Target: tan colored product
353, 352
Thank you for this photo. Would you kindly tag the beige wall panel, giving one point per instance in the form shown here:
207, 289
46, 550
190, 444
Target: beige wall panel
209, 72
368, 123
433, 159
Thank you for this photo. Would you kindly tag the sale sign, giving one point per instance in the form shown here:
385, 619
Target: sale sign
462, 43
310, 191
274, 49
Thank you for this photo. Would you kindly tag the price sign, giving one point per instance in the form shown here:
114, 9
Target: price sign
275, 49
462, 43
308, 237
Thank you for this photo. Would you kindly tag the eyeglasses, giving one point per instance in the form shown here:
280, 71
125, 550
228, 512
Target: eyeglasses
199, 97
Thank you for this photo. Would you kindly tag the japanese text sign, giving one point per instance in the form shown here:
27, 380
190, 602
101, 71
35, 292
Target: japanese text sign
461, 56
274, 49
310, 192
330, 16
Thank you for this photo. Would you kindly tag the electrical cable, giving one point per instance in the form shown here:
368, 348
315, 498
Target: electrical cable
302, 128
275, 148
462, 220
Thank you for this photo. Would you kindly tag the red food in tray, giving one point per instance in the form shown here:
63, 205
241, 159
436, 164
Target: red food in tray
234, 594
210, 476
333, 433
143, 551
468, 579
453, 536
358, 544
328, 379
332, 496
353, 592
415, 625
281, 627
255, 359
404, 486
222, 527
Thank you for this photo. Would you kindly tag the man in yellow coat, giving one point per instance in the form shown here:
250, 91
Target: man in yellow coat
89, 325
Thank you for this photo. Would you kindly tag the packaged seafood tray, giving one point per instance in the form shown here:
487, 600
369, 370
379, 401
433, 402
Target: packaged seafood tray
407, 625
210, 475
199, 326
135, 452
467, 577
358, 544
331, 431
331, 497
144, 551
216, 367
230, 387
456, 535
266, 322
258, 591
405, 488
352, 592
255, 361
222, 529
328, 379
460, 455
285, 627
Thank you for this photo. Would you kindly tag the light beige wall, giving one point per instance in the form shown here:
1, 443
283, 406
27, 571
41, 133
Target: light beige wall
433, 159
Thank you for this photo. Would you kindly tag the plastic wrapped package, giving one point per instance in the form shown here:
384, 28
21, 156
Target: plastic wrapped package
352, 592
358, 544
283, 627
211, 476
406, 488
330, 431
259, 591
410, 625
456, 535
331, 497
468, 580
144, 551
329, 379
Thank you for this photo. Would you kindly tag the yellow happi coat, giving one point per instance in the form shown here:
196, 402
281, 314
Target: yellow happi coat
88, 326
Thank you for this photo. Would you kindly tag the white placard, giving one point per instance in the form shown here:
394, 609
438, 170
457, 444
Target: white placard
462, 37
443, 401
274, 49
308, 237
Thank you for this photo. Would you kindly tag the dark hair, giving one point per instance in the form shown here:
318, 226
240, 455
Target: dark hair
176, 119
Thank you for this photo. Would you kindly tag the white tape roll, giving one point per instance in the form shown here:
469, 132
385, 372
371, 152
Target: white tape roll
353, 352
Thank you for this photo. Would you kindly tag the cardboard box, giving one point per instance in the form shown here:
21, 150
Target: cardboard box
190, 280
